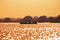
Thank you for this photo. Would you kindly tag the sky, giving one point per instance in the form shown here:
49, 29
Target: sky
21, 8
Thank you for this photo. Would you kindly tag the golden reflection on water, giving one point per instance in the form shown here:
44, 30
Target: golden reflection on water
29, 32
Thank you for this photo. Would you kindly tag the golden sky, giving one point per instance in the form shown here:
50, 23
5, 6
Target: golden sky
21, 8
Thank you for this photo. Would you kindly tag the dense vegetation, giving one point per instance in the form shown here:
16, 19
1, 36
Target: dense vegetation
32, 20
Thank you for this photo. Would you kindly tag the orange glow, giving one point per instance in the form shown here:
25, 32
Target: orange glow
21, 8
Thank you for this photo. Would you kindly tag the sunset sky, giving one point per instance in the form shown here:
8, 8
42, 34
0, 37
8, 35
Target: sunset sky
21, 8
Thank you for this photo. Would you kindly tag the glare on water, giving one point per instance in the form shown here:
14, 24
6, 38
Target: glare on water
42, 31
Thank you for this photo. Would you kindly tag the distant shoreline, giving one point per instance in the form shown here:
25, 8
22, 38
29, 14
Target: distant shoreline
20, 23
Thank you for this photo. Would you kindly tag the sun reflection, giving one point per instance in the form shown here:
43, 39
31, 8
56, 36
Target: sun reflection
24, 34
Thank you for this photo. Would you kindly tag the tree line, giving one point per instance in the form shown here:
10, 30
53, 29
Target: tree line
32, 20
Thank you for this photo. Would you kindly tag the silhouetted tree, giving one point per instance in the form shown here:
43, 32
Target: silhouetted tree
36, 18
22, 21
58, 19
7, 20
18, 20
27, 20
42, 19
0, 20
52, 19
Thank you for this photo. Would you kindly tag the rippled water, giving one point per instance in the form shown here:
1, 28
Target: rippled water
40, 31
